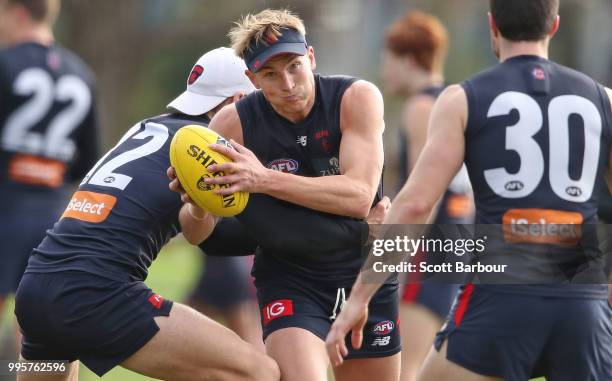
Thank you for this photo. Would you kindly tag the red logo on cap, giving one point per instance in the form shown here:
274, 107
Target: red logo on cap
257, 63
271, 38
196, 72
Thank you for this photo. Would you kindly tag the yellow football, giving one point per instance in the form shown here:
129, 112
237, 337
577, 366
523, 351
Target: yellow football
190, 156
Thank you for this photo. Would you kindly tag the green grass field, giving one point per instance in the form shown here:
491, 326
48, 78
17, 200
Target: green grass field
172, 275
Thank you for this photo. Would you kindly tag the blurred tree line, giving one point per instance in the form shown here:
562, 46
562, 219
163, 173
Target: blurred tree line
142, 50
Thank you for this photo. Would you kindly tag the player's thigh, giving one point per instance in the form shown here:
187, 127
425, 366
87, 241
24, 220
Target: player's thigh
300, 354
190, 346
418, 329
379, 369
71, 374
438, 368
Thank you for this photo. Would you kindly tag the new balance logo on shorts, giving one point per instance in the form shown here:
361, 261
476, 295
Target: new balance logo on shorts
381, 341
277, 309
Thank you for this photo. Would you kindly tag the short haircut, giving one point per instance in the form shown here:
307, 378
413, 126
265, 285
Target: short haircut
420, 35
42, 11
254, 28
524, 20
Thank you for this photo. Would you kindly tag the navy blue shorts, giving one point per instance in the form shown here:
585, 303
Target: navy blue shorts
437, 298
20, 232
224, 283
76, 315
291, 302
516, 337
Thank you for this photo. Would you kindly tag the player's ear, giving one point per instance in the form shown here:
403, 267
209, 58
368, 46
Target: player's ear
311, 58
493, 25
555, 26
252, 78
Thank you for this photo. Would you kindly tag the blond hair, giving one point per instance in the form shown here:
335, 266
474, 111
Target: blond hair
254, 28
41, 11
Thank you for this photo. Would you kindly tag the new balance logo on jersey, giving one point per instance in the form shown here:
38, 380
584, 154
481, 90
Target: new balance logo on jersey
277, 309
302, 140
381, 341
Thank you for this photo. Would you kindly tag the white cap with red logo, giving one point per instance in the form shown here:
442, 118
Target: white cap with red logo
218, 75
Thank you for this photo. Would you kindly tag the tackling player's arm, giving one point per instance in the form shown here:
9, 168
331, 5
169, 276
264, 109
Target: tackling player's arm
196, 223
361, 159
440, 160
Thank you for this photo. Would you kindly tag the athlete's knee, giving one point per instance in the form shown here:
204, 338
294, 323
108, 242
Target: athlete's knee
260, 367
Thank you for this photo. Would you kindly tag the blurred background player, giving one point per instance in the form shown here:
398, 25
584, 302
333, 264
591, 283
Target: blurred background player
48, 130
413, 67
83, 295
224, 290
530, 122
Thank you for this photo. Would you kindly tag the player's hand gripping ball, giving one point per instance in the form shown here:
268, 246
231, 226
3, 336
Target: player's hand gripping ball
190, 157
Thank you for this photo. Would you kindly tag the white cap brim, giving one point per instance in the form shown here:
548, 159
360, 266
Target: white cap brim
195, 104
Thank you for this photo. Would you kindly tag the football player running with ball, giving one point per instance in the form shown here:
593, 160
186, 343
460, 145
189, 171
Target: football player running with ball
311, 144
83, 294
512, 123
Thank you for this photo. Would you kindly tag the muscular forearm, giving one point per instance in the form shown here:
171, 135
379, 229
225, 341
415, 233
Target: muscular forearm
332, 194
195, 225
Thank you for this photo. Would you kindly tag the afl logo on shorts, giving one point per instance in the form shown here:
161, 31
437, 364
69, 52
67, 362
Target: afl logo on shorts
196, 72
284, 165
277, 309
383, 328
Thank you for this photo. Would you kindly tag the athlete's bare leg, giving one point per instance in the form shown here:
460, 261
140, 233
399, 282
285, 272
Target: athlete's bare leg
418, 329
242, 319
379, 369
300, 354
438, 368
71, 374
190, 346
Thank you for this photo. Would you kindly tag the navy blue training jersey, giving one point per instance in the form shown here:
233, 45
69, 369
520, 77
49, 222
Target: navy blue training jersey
537, 144
123, 212
48, 129
323, 246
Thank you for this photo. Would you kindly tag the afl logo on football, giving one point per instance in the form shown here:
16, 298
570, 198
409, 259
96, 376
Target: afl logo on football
284, 165
513, 186
203, 186
196, 72
383, 328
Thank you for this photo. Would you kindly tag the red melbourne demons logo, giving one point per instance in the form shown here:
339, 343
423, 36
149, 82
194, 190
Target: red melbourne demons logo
277, 309
156, 300
539, 74
196, 72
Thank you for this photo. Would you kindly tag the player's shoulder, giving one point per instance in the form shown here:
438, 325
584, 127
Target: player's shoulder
362, 91
175, 121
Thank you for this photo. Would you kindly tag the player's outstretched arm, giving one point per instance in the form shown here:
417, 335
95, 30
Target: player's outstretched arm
439, 162
361, 159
